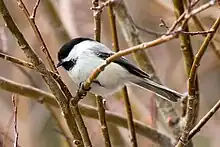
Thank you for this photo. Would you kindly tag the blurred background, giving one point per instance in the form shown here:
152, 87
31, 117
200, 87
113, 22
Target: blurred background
61, 20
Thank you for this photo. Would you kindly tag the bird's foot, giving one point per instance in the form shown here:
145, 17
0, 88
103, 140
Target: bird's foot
82, 91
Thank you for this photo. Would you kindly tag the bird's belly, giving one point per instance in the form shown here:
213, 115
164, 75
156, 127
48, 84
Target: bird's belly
108, 81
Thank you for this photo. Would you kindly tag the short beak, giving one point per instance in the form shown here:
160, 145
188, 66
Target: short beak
59, 64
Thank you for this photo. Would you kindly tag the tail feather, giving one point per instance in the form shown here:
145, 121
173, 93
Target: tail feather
160, 90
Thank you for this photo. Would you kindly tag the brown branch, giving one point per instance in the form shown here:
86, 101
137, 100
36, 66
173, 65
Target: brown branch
80, 124
33, 14
30, 66
131, 36
24, 64
88, 111
130, 50
199, 26
102, 118
79, 120
17, 61
130, 122
192, 99
97, 21
31, 20
142, 46
99, 99
204, 33
124, 91
169, 36
204, 120
186, 48
186, 15
36, 61
15, 113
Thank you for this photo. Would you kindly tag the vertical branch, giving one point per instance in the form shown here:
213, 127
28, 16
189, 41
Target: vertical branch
188, 56
81, 126
31, 20
130, 122
124, 92
99, 99
192, 111
97, 21
101, 113
78, 120
59, 124
15, 114
130, 33
46, 75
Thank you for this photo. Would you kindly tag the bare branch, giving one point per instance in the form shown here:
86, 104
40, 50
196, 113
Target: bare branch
80, 124
192, 99
130, 122
36, 61
97, 21
31, 20
89, 111
197, 33
104, 127
204, 120
199, 25
15, 113
187, 50
33, 14
124, 91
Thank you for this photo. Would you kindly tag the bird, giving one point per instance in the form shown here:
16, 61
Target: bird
81, 56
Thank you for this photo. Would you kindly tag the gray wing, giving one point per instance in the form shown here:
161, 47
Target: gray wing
125, 64
144, 80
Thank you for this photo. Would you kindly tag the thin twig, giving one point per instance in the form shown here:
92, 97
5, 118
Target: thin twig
204, 120
15, 113
88, 111
63, 87
97, 21
36, 61
197, 33
124, 91
142, 46
23, 63
169, 36
31, 20
99, 99
17, 62
163, 24
186, 15
192, 99
104, 128
33, 14
80, 124
130, 122
187, 50
199, 26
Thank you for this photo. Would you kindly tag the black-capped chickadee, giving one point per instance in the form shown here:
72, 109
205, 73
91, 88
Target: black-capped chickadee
81, 56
